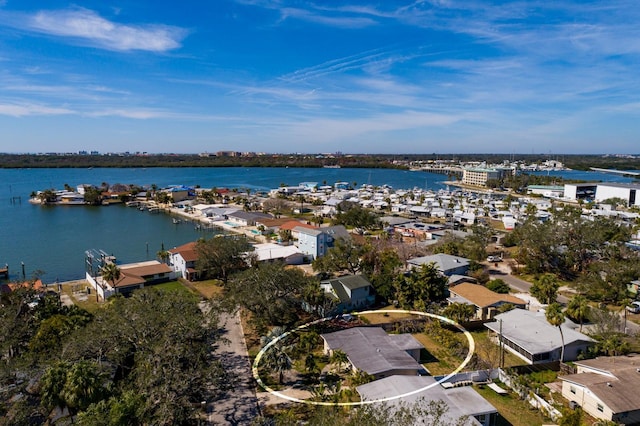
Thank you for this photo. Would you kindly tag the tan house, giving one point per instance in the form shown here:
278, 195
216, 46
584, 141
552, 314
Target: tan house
606, 388
487, 302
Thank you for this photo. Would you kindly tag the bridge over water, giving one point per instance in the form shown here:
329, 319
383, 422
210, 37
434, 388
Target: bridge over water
615, 172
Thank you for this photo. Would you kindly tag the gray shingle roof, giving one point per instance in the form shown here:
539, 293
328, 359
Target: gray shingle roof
531, 331
444, 262
372, 350
461, 401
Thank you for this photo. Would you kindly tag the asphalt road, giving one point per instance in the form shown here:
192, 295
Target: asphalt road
239, 406
502, 272
522, 286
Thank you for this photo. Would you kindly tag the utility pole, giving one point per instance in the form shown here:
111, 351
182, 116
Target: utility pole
501, 347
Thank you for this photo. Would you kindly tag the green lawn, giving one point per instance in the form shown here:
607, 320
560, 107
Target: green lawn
208, 288
513, 411
172, 286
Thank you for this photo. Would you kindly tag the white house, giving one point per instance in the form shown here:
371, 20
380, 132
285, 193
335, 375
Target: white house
606, 388
530, 337
182, 260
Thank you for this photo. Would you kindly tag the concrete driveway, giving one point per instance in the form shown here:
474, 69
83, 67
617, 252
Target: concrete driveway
239, 406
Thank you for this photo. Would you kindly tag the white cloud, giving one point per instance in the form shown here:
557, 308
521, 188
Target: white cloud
87, 26
24, 110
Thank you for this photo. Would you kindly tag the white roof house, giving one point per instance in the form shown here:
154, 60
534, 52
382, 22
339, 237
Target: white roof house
375, 352
530, 337
446, 263
461, 401
270, 252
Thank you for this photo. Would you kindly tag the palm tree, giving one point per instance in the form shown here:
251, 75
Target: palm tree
545, 289
339, 357
163, 254
556, 317
578, 308
110, 273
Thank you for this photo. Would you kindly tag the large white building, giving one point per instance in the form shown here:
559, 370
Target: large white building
630, 192
480, 176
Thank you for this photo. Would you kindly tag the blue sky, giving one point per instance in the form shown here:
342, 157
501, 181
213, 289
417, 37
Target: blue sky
441, 76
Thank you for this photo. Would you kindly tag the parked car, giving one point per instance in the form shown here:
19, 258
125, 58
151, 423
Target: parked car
494, 259
634, 307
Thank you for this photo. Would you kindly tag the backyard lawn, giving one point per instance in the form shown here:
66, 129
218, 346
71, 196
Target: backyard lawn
172, 286
513, 411
208, 288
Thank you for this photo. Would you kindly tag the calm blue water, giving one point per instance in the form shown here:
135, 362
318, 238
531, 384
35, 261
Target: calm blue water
53, 239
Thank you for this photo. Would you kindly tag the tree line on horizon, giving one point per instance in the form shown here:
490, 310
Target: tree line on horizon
574, 161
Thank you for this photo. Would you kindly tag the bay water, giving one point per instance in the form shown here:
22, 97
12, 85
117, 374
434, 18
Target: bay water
51, 240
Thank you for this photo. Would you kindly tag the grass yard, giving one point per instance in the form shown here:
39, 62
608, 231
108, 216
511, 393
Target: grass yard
172, 286
486, 348
209, 289
78, 295
384, 318
513, 411
443, 362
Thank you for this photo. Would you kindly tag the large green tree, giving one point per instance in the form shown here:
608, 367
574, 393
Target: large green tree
219, 257
271, 292
419, 287
345, 255
352, 215
158, 344
545, 289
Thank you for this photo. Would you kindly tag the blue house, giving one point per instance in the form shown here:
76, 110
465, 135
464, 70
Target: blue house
315, 242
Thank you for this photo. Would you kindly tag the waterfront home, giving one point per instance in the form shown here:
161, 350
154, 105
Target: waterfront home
132, 277
372, 350
242, 218
181, 193
445, 263
350, 292
531, 338
606, 388
461, 402
486, 302
182, 260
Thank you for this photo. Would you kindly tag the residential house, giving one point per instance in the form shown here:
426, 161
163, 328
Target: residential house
271, 226
270, 252
182, 260
133, 276
447, 264
530, 337
181, 193
487, 302
351, 292
316, 241
606, 388
461, 402
242, 218
372, 350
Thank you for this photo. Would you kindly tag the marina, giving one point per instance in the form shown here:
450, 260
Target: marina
51, 240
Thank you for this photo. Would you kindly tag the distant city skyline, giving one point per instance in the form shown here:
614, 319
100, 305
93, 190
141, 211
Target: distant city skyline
433, 76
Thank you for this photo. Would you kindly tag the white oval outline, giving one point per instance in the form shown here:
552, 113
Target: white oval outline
256, 362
